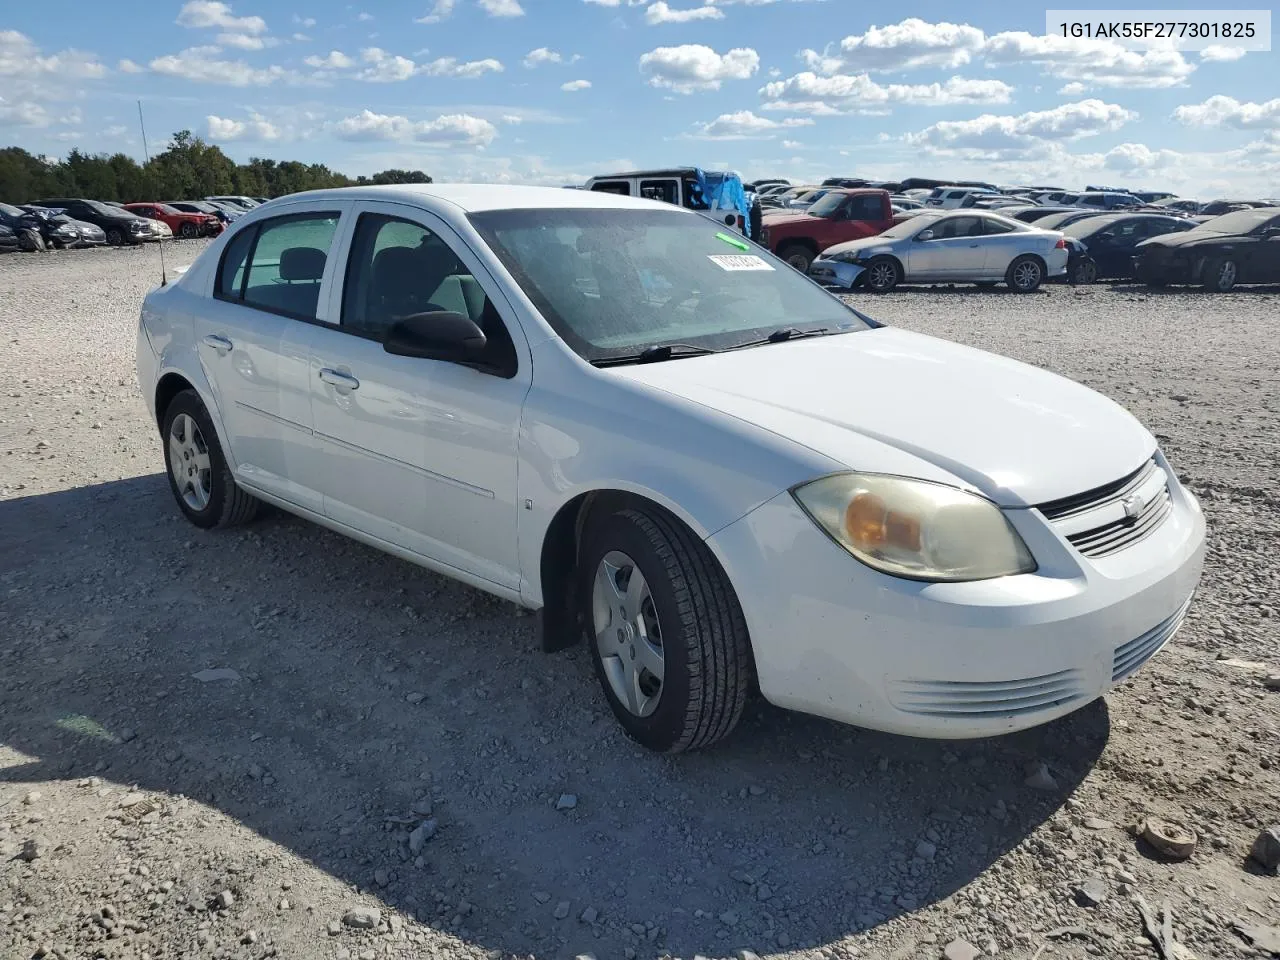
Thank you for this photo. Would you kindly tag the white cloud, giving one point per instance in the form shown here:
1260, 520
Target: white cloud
692, 66
364, 17
902, 46
451, 67
457, 128
512, 118
246, 41
300, 38
21, 58
575, 85
202, 14
128, 66
442, 10
24, 113
809, 93
1003, 136
256, 127
385, 67
1217, 53
335, 60
1221, 111
659, 12
542, 55
307, 22
915, 43
204, 50
616, 3
745, 125
1072, 89
234, 73
501, 8
792, 145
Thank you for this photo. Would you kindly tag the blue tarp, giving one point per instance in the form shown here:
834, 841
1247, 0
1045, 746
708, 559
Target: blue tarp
723, 191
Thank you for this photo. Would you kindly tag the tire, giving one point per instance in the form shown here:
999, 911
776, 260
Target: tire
201, 481
1025, 274
115, 238
882, 275
1220, 274
685, 597
1086, 272
187, 231
798, 256
30, 241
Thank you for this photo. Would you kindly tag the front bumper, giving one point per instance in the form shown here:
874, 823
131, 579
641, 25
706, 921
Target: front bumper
835, 273
834, 638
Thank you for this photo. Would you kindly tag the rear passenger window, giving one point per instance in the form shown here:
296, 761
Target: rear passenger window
278, 266
398, 268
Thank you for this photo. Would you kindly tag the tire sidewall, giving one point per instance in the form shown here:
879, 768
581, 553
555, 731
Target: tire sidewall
187, 231
799, 253
116, 239
219, 476
885, 288
1087, 272
619, 531
1214, 271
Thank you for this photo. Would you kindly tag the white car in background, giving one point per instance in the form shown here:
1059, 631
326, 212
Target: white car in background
677, 448
959, 246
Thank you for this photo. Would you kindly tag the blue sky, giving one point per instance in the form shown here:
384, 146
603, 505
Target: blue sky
553, 91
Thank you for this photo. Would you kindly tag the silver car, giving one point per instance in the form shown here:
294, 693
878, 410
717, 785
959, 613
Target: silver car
960, 246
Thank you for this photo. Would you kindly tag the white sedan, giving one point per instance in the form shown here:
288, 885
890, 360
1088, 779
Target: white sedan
675, 446
961, 246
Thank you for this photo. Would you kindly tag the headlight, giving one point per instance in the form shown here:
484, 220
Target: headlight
845, 256
914, 528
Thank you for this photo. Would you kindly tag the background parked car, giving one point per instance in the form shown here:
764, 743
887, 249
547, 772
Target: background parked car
1178, 204
1034, 213
8, 240
33, 231
1241, 247
951, 197
839, 216
185, 224
1107, 200
87, 234
959, 246
245, 203
1111, 241
1057, 221
1216, 208
119, 225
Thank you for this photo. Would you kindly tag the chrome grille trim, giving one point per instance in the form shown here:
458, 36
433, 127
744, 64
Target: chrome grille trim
1094, 522
1102, 496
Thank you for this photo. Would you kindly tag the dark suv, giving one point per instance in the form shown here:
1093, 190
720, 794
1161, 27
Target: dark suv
119, 225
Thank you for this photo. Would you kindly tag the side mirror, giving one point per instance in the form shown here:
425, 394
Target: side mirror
924, 235
437, 335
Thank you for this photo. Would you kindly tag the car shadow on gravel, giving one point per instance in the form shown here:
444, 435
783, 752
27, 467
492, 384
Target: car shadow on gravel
365, 684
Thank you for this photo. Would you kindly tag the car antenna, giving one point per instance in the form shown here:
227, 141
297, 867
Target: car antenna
164, 279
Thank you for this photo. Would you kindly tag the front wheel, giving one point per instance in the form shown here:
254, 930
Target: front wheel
668, 638
798, 256
199, 476
187, 231
1220, 275
115, 237
882, 275
1025, 274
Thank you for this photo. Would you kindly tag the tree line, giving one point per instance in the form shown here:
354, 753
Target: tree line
187, 169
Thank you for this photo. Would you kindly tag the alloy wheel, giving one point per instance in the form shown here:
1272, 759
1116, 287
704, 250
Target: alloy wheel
882, 275
1026, 275
189, 462
628, 635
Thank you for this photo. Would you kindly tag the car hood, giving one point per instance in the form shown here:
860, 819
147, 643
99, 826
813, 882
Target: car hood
1186, 239
788, 218
1016, 433
863, 243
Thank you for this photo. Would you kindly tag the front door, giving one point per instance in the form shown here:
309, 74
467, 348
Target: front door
420, 453
954, 250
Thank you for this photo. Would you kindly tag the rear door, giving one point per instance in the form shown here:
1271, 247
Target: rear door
1001, 243
419, 453
268, 287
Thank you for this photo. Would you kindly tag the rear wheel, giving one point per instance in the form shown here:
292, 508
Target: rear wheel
199, 476
1025, 274
798, 256
188, 231
1086, 272
668, 638
882, 275
115, 237
1220, 275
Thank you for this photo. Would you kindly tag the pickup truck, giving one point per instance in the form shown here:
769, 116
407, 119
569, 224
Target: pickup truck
840, 216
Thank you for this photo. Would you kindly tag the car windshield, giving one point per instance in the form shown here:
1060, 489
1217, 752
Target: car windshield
909, 226
826, 205
166, 209
9, 210
1242, 221
1086, 226
614, 281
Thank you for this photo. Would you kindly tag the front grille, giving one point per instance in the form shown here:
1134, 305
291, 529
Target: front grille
970, 699
1099, 522
1130, 656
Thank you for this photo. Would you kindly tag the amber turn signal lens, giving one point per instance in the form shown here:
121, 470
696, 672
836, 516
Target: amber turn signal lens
870, 523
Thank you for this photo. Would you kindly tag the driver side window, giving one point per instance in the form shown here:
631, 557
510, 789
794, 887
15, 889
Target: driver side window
398, 268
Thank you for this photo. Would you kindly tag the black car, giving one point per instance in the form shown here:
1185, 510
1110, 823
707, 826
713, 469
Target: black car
119, 225
200, 206
8, 240
1216, 208
1111, 240
1056, 221
1034, 214
1242, 247
27, 227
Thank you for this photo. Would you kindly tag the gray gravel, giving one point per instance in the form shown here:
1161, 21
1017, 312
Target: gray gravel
144, 813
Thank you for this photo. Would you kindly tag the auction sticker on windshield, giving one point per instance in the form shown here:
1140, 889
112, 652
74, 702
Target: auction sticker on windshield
728, 261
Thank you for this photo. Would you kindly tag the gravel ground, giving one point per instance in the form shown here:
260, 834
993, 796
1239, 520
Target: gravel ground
386, 766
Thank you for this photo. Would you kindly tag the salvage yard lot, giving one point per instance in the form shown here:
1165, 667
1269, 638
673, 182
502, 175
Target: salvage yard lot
145, 812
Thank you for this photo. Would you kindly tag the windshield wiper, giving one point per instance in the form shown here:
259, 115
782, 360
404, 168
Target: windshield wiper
654, 354
781, 335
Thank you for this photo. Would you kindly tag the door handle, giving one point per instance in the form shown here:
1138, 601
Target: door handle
343, 381
975, 245
221, 344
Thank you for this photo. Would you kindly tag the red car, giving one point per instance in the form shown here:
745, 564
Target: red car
188, 226
839, 216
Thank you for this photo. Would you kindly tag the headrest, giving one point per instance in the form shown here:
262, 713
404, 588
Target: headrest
301, 263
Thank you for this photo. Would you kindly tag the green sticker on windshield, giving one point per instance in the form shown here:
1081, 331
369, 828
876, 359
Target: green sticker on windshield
733, 241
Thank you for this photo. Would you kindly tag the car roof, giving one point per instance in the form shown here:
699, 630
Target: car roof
477, 197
